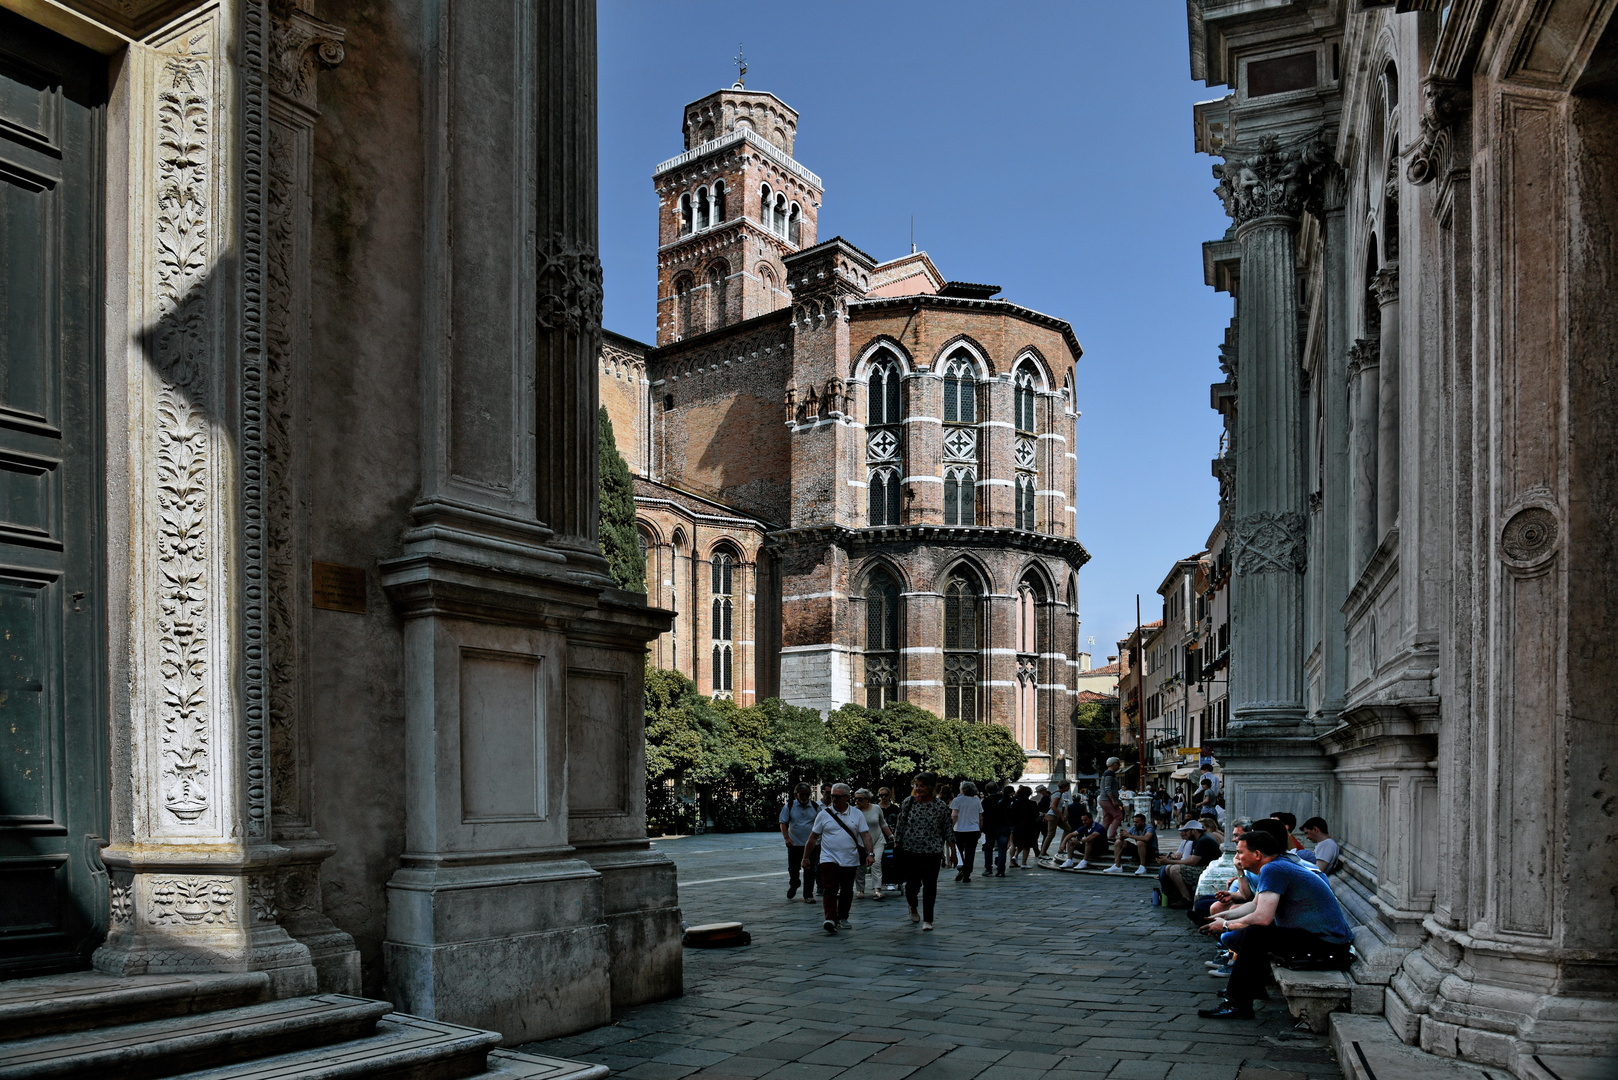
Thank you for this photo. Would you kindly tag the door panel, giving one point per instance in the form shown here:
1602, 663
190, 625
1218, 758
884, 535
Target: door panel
53, 757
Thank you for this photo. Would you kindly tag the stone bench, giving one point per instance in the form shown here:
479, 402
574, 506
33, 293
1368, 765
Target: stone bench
1312, 996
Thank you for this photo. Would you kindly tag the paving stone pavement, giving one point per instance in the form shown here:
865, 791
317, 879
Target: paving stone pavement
1034, 976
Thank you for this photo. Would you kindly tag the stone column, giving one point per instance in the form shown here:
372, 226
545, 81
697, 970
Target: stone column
1265, 189
192, 869
1335, 387
1386, 286
1363, 361
299, 45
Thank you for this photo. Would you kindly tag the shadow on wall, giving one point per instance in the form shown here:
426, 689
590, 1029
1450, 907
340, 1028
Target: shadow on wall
745, 458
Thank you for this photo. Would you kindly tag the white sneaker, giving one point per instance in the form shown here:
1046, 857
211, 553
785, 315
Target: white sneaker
1070, 865
1113, 870
1140, 871
1082, 864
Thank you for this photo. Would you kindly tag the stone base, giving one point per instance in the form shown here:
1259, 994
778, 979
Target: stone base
266, 949
641, 898
1267, 771
520, 948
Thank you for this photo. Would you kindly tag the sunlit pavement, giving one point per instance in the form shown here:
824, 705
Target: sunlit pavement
1034, 976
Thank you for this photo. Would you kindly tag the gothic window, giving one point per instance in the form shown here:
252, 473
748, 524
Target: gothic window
685, 314
718, 202
766, 205
960, 391
685, 215
963, 633
884, 496
718, 301
1030, 645
1026, 383
674, 604
778, 223
884, 439
794, 223
723, 568
702, 208
766, 280
1026, 450
960, 496
881, 640
1025, 501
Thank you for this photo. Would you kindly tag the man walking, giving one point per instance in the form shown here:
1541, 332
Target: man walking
797, 818
1056, 817
843, 841
1110, 800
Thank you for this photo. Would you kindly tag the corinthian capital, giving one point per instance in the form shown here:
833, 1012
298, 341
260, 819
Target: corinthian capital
1385, 283
1443, 102
1364, 353
300, 44
1269, 180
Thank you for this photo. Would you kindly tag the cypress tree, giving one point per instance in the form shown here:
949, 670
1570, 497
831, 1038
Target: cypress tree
620, 542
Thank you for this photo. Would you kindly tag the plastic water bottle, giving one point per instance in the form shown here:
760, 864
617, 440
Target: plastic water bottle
1157, 897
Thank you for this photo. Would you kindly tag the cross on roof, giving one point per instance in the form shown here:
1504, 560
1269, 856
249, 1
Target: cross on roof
740, 60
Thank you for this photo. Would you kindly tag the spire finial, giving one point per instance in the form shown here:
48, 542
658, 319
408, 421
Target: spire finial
741, 67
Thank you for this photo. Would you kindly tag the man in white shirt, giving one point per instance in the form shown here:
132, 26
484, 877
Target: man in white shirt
843, 841
1326, 850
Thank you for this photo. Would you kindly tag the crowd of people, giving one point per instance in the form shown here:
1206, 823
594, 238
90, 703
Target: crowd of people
1276, 904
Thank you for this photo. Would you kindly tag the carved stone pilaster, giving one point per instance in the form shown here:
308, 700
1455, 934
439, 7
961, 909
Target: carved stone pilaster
1269, 180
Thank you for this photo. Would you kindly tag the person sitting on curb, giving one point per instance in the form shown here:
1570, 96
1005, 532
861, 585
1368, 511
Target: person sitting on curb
1140, 836
1181, 871
1082, 844
1293, 912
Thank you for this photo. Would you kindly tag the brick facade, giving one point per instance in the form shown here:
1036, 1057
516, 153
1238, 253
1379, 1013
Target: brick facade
754, 432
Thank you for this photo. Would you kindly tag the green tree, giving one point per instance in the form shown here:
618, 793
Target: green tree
1094, 738
620, 543
689, 748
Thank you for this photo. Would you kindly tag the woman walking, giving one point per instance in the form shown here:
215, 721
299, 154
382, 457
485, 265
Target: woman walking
879, 833
1024, 826
967, 810
923, 832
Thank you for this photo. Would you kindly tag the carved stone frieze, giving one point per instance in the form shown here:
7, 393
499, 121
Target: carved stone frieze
181, 359
194, 901
300, 45
1270, 180
1270, 542
568, 286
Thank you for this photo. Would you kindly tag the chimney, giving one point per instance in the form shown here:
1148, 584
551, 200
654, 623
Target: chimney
1084, 661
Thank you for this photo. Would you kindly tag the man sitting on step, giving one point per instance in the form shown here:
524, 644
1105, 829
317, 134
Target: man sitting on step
1292, 913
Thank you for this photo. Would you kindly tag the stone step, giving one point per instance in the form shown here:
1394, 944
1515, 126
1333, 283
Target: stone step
1313, 996
1367, 1049
175, 1044
78, 1001
403, 1048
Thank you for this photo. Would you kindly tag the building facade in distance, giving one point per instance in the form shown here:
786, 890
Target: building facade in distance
856, 480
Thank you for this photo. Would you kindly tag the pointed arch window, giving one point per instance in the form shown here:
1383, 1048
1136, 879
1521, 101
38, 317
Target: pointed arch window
684, 309
703, 210
794, 224
1030, 645
685, 215
963, 636
1027, 383
718, 202
723, 569
881, 640
960, 496
1025, 501
718, 300
1026, 450
884, 439
884, 496
960, 391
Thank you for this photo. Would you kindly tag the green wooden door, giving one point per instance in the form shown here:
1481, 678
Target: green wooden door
53, 720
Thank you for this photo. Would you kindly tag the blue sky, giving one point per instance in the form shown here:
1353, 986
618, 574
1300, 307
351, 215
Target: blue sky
1044, 147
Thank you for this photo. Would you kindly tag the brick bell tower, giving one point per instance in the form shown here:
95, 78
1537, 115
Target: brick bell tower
731, 208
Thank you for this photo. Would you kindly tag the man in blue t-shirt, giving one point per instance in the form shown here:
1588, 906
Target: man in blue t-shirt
797, 820
1293, 912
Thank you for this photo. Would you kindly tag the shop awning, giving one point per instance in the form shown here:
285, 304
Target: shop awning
1180, 774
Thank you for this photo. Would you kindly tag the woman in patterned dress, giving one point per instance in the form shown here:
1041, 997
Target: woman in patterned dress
924, 833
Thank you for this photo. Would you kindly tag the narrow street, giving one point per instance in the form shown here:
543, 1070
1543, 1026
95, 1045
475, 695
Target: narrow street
1036, 976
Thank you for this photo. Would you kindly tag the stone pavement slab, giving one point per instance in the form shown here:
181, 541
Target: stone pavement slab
1035, 976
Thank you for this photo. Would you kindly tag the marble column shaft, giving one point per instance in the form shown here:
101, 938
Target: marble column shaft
1363, 379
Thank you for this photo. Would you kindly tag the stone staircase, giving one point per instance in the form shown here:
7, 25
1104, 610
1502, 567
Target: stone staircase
227, 1027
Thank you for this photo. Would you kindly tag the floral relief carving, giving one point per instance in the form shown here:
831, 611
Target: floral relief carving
193, 901
1270, 542
180, 352
121, 903
261, 899
568, 286
1271, 180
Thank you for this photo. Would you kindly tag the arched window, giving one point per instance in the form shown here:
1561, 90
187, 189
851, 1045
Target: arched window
960, 496
884, 439
1029, 647
766, 281
1026, 383
718, 300
718, 202
1025, 501
685, 215
963, 634
723, 568
685, 314
702, 208
674, 604
766, 205
881, 640
779, 222
884, 496
793, 224
960, 392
